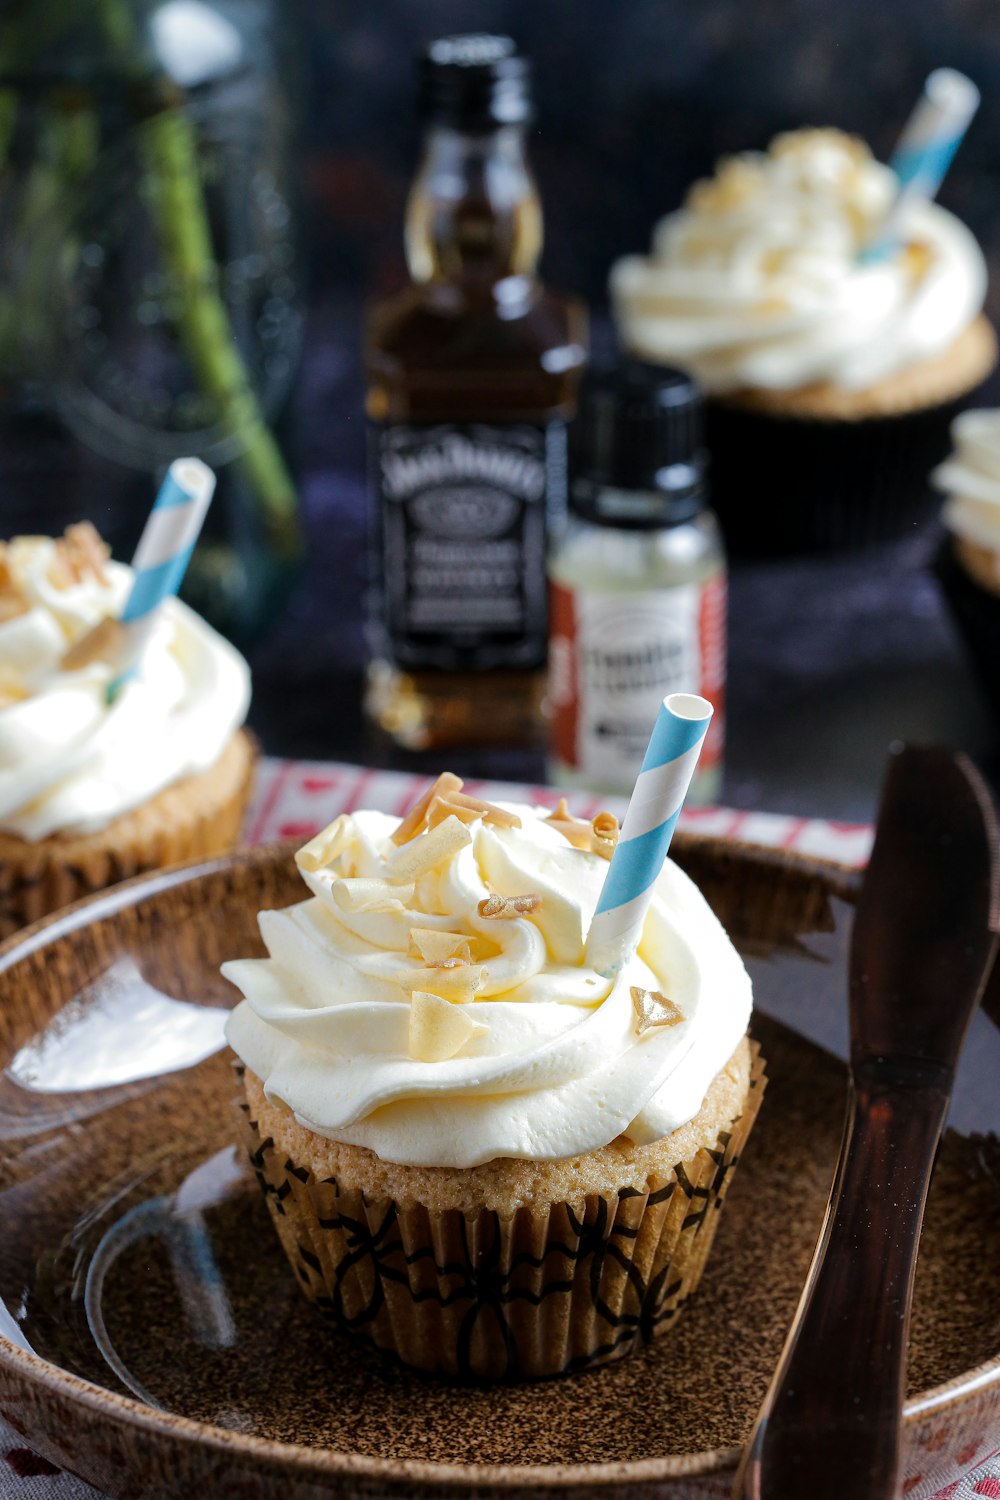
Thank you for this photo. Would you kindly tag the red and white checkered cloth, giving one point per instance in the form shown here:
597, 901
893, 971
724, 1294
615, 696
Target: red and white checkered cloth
293, 800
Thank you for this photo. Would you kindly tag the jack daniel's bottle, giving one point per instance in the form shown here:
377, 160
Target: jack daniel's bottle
472, 374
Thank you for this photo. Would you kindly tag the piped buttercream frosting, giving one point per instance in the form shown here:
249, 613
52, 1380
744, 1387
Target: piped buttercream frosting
430, 1000
760, 280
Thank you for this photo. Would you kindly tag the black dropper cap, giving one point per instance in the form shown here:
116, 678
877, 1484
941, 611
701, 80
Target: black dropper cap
638, 459
474, 82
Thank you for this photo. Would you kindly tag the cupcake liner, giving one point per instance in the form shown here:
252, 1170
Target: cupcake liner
976, 612
198, 817
798, 484
487, 1297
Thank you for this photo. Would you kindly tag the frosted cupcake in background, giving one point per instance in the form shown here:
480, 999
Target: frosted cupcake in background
968, 564
92, 792
478, 1153
831, 378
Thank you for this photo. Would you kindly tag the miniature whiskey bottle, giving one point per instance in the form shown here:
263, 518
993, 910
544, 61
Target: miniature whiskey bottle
472, 373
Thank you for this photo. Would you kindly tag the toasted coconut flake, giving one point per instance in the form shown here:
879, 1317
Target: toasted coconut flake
430, 849
12, 604
604, 832
12, 688
370, 894
78, 555
576, 831
88, 552
459, 985
435, 946
579, 835
12, 599
439, 1030
415, 821
560, 813
650, 1010
59, 572
499, 817
447, 807
497, 907
104, 643
323, 846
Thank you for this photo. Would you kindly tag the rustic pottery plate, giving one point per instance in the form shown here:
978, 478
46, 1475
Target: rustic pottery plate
153, 1341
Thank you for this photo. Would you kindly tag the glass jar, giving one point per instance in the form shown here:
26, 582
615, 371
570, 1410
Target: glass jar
149, 289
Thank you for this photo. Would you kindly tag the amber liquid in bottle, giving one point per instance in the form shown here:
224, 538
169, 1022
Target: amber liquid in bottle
472, 373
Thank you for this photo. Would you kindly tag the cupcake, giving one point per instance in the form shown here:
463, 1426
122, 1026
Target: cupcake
90, 792
479, 1154
968, 563
831, 379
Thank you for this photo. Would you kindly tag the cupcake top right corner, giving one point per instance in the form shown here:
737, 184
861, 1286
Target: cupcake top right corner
760, 281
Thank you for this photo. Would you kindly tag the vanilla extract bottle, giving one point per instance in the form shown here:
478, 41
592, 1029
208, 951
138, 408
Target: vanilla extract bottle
472, 373
638, 601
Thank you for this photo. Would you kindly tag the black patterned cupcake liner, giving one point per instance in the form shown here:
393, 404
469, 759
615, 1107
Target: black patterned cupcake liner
784, 485
487, 1297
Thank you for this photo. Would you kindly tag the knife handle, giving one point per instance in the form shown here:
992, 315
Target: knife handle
829, 1426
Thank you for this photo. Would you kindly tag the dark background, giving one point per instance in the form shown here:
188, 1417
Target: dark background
830, 659
635, 99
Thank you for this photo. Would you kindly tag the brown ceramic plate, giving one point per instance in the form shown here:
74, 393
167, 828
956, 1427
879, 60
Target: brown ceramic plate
156, 1344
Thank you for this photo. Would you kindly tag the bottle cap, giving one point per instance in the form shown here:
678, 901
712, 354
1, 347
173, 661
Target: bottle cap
474, 82
638, 459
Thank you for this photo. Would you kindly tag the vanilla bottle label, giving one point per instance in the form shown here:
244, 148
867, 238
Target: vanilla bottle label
614, 657
464, 513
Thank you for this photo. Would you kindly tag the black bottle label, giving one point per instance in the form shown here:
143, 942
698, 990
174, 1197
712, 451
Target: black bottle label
463, 515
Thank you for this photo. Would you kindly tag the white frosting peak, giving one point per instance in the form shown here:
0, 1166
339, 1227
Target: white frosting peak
69, 762
971, 479
552, 1064
758, 281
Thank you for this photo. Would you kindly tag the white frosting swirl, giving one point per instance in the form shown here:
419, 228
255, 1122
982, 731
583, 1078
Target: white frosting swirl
757, 282
71, 764
555, 1067
971, 479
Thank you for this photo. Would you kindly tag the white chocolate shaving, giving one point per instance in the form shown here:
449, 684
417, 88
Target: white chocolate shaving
439, 1030
456, 984
12, 604
430, 849
498, 907
79, 554
574, 830
650, 1009
604, 833
103, 643
443, 807
435, 946
445, 785
488, 811
370, 894
12, 687
324, 846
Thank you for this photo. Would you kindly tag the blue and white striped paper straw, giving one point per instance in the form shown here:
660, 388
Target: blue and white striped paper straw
655, 805
162, 556
925, 150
